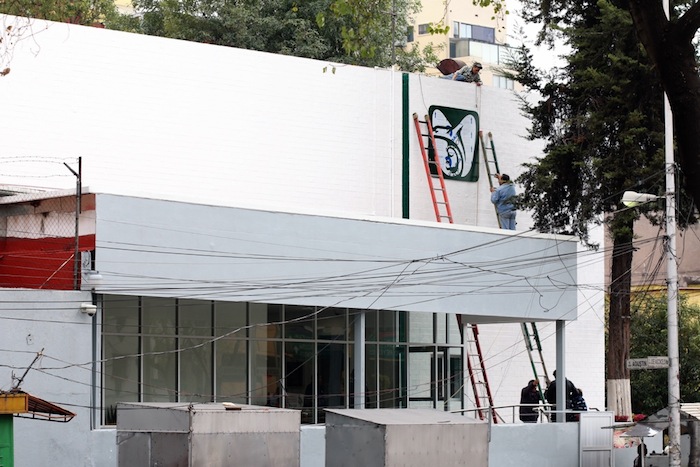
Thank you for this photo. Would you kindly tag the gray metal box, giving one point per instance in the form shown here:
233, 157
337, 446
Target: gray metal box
182, 435
404, 438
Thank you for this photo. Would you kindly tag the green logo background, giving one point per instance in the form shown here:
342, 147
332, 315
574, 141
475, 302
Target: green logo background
457, 140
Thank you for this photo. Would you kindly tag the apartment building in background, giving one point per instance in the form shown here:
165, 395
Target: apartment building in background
475, 34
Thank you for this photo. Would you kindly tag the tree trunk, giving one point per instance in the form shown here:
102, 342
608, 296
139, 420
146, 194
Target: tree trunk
670, 48
618, 375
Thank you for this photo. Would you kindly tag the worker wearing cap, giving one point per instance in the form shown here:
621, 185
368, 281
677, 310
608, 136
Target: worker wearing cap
503, 197
467, 74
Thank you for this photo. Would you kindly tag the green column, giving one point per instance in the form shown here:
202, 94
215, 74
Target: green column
7, 451
405, 188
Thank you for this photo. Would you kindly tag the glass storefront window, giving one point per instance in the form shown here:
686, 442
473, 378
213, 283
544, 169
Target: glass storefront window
299, 380
230, 319
454, 333
420, 377
194, 318
121, 315
389, 395
371, 327
189, 350
265, 321
266, 373
331, 377
231, 370
196, 371
421, 328
330, 324
299, 322
158, 316
371, 368
388, 326
159, 369
120, 375
441, 328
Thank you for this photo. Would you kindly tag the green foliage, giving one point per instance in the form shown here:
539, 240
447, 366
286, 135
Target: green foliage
602, 120
649, 338
85, 12
439, 28
361, 32
498, 6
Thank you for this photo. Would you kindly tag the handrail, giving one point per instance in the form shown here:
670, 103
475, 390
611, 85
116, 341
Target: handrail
544, 409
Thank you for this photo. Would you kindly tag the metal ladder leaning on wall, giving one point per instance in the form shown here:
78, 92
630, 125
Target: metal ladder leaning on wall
530, 335
534, 351
441, 205
426, 138
491, 164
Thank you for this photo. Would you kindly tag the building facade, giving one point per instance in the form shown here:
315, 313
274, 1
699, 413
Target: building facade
260, 241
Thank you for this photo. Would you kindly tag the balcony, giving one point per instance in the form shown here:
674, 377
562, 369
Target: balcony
493, 54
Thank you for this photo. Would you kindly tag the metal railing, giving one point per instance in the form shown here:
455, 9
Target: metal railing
544, 411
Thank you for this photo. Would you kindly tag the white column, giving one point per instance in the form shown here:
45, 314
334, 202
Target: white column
359, 357
561, 370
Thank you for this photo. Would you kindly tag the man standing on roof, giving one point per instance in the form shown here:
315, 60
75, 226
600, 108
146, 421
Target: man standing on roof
467, 74
503, 196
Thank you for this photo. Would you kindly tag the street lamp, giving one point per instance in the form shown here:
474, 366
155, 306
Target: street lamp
632, 198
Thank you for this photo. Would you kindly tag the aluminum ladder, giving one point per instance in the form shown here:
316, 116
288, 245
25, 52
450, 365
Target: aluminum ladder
530, 334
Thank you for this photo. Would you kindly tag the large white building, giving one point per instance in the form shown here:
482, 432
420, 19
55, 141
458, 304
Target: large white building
250, 228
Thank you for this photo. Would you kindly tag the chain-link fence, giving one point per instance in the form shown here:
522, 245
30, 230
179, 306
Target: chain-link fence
40, 238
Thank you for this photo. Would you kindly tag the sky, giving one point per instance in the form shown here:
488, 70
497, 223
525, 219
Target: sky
543, 56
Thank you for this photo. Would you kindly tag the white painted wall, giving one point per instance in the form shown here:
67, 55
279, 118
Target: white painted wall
51, 322
166, 248
507, 362
188, 121
499, 114
194, 122
541, 444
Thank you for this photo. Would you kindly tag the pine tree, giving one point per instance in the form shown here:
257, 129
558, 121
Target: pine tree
602, 119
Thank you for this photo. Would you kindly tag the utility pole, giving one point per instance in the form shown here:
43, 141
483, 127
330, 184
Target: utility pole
674, 385
78, 197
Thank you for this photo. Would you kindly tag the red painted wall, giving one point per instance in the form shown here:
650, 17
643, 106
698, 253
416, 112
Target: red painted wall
44, 263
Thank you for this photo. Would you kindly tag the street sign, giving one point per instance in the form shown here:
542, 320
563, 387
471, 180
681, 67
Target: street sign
657, 362
649, 363
637, 364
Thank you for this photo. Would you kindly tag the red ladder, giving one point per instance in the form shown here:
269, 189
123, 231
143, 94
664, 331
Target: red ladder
477, 372
441, 204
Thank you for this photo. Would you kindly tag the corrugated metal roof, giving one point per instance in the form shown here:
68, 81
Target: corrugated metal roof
42, 410
692, 410
659, 420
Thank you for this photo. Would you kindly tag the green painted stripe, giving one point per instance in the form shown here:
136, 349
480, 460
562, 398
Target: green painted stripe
405, 143
7, 448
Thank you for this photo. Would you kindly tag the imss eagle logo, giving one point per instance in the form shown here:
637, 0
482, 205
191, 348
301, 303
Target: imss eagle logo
457, 143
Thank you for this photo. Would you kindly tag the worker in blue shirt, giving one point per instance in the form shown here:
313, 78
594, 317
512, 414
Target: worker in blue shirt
502, 197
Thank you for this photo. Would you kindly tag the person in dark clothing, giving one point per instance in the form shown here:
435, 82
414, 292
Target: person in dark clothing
641, 452
529, 395
551, 394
